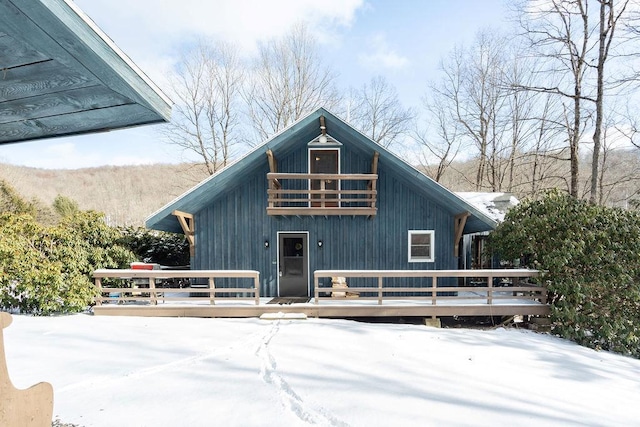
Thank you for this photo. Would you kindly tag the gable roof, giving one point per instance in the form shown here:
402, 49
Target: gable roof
61, 75
306, 129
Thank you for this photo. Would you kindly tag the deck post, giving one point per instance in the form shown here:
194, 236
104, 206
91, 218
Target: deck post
489, 290
256, 288
98, 281
379, 290
212, 290
152, 290
434, 293
315, 288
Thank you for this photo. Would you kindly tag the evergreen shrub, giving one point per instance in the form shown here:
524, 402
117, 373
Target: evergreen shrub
591, 258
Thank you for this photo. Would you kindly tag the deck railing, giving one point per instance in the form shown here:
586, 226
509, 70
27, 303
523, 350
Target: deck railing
143, 286
321, 194
489, 285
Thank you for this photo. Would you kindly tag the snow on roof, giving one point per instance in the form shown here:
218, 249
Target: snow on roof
495, 205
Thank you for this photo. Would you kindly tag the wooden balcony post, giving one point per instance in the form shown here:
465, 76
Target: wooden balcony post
373, 180
379, 290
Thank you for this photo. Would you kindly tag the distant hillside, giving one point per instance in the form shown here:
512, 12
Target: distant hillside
126, 194
129, 194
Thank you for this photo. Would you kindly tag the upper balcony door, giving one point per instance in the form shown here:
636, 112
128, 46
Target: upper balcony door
326, 160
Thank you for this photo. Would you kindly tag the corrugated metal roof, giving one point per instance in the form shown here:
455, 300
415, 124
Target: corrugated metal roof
301, 132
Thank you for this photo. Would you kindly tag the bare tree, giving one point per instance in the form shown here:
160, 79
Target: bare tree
379, 114
539, 163
288, 81
438, 138
207, 88
559, 32
608, 19
472, 86
576, 43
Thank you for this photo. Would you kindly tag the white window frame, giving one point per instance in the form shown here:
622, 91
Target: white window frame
431, 257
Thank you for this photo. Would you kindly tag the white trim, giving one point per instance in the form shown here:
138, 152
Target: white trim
278, 233
431, 257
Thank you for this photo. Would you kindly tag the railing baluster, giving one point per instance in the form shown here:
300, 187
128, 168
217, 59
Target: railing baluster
380, 290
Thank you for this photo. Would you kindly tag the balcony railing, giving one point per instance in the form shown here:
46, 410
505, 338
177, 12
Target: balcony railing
321, 194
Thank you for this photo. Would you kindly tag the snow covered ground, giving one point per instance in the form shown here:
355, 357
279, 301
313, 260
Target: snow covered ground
125, 371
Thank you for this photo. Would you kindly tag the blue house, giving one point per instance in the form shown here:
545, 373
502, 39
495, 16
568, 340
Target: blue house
320, 196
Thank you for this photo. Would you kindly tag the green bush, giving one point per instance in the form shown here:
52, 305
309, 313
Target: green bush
47, 269
591, 255
156, 246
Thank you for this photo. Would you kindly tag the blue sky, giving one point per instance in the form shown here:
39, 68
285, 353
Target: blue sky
402, 40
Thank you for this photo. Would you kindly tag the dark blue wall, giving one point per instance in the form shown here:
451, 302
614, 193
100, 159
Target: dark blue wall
231, 232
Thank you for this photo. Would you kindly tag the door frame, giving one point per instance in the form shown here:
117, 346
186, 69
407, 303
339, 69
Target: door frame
316, 148
306, 251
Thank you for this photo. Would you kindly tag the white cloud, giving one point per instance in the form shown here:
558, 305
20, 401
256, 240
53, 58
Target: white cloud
155, 26
153, 33
381, 55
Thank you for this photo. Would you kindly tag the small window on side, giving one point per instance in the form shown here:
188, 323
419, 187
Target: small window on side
421, 245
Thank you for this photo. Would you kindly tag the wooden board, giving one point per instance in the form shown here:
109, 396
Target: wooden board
30, 407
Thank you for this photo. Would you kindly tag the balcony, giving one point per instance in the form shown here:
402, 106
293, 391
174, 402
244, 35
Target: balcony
321, 194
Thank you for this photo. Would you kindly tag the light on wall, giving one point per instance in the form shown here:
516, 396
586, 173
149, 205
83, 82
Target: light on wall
320, 243
323, 139
266, 243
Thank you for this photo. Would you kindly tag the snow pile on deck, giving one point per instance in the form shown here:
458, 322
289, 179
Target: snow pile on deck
109, 371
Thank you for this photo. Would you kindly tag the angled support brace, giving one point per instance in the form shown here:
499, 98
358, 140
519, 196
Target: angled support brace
460, 221
188, 227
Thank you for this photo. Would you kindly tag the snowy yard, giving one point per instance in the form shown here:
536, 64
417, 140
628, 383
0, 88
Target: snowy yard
124, 371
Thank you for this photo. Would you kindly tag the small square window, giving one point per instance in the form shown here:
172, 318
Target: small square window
421, 245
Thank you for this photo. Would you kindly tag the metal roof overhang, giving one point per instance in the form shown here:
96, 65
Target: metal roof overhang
61, 75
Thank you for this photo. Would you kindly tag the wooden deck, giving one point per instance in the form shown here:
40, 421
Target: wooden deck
495, 293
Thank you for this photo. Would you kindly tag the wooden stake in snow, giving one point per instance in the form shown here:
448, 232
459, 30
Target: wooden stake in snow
30, 407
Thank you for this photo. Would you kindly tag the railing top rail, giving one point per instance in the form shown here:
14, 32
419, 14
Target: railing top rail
164, 274
346, 176
521, 272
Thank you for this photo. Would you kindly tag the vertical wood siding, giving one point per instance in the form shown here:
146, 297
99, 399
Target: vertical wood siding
231, 232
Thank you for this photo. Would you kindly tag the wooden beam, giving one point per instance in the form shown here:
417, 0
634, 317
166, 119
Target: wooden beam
274, 184
460, 221
188, 227
374, 171
374, 162
273, 166
328, 211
